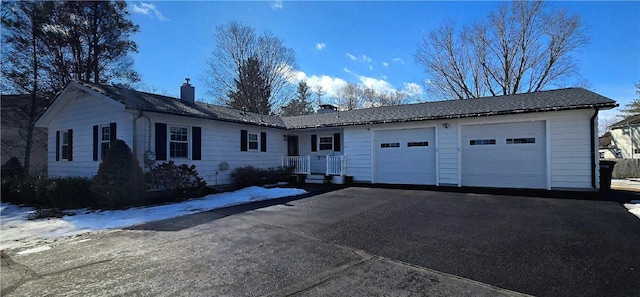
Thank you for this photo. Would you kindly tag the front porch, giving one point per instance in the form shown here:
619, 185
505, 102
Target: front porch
335, 168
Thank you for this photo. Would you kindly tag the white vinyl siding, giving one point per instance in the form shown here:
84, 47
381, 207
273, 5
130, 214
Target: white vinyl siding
80, 114
357, 148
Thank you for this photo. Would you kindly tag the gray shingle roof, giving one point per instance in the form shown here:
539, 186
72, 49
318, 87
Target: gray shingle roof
562, 99
136, 100
631, 120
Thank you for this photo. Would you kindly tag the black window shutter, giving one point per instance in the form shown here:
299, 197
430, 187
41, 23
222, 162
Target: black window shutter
336, 142
161, 141
57, 145
95, 143
70, 157
112, 133
314, 143
263, 141
196, 144
243, 140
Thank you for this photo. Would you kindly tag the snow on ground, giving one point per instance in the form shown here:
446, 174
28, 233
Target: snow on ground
18, 232
633, 207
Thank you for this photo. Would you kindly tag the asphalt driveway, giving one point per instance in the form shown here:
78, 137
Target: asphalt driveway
354, 241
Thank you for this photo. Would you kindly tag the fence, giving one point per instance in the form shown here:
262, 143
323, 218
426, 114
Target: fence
625, 168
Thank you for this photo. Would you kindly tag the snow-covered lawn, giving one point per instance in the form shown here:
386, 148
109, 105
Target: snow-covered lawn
18, 232
633, 207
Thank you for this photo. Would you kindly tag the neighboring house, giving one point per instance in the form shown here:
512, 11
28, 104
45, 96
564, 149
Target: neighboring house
15, 121
544, 140
623, 141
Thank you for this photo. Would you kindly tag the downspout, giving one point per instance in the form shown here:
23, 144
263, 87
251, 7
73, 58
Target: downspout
135, 132
594, 165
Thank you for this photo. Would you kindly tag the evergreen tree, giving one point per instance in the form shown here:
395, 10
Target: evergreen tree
252, 89
300, 105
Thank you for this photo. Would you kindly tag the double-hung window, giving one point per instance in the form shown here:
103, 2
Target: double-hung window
253, 141
326, 143
64, 145
105, 140
179, 142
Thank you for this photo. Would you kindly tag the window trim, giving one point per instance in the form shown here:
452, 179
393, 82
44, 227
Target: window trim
169, 141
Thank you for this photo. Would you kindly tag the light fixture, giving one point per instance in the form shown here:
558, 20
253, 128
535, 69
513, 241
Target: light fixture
445, 125
284, 137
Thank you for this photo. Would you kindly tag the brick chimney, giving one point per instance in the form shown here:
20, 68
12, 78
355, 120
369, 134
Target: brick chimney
187, 92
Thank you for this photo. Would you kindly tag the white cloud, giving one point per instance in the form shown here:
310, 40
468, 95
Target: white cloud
275, 5
378, 85
148, 9
352, 57
398, 60
330, 85
346, 70
370, 67
412, 89
385, 64
320, 46
366, 59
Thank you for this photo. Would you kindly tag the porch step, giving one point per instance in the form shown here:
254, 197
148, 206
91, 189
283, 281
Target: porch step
315, 179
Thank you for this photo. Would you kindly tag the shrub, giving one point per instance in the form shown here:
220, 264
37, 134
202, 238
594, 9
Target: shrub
181, 180
62, 193
253, 176
120, 180
12, 169
69, 193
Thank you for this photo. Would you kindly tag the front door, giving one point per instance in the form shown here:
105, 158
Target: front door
292, 145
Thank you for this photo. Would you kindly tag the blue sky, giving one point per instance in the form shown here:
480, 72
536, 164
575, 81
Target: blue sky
372, 43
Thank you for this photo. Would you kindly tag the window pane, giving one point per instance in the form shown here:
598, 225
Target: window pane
482, 142
178, 150
65, 137
105, 133
326, 143
179, 134
253, 141
104, 148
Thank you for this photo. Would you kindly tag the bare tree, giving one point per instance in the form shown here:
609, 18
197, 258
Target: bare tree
524, 46
320, 92
350, 97
235, 44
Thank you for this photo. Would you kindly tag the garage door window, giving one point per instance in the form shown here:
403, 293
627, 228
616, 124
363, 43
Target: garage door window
520, 140
390, 145
482, 142
417, 143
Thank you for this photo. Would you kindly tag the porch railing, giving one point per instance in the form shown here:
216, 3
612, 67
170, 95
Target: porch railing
300, 164
336, 165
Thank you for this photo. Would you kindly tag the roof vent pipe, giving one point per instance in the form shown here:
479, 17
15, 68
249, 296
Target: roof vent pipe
187, 92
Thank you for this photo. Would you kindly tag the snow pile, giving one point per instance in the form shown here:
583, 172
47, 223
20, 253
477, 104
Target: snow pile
16, 231
633, 207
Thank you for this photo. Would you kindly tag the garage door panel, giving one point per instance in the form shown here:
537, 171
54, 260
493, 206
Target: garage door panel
396, 162
504, 155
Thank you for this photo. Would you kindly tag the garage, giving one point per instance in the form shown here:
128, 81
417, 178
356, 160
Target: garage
507, 155
405, 156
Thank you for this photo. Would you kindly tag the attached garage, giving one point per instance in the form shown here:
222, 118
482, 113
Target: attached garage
506, 155
405, 156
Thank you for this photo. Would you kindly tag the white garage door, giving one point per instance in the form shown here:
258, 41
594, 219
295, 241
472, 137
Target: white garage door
405, 156
510, 155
